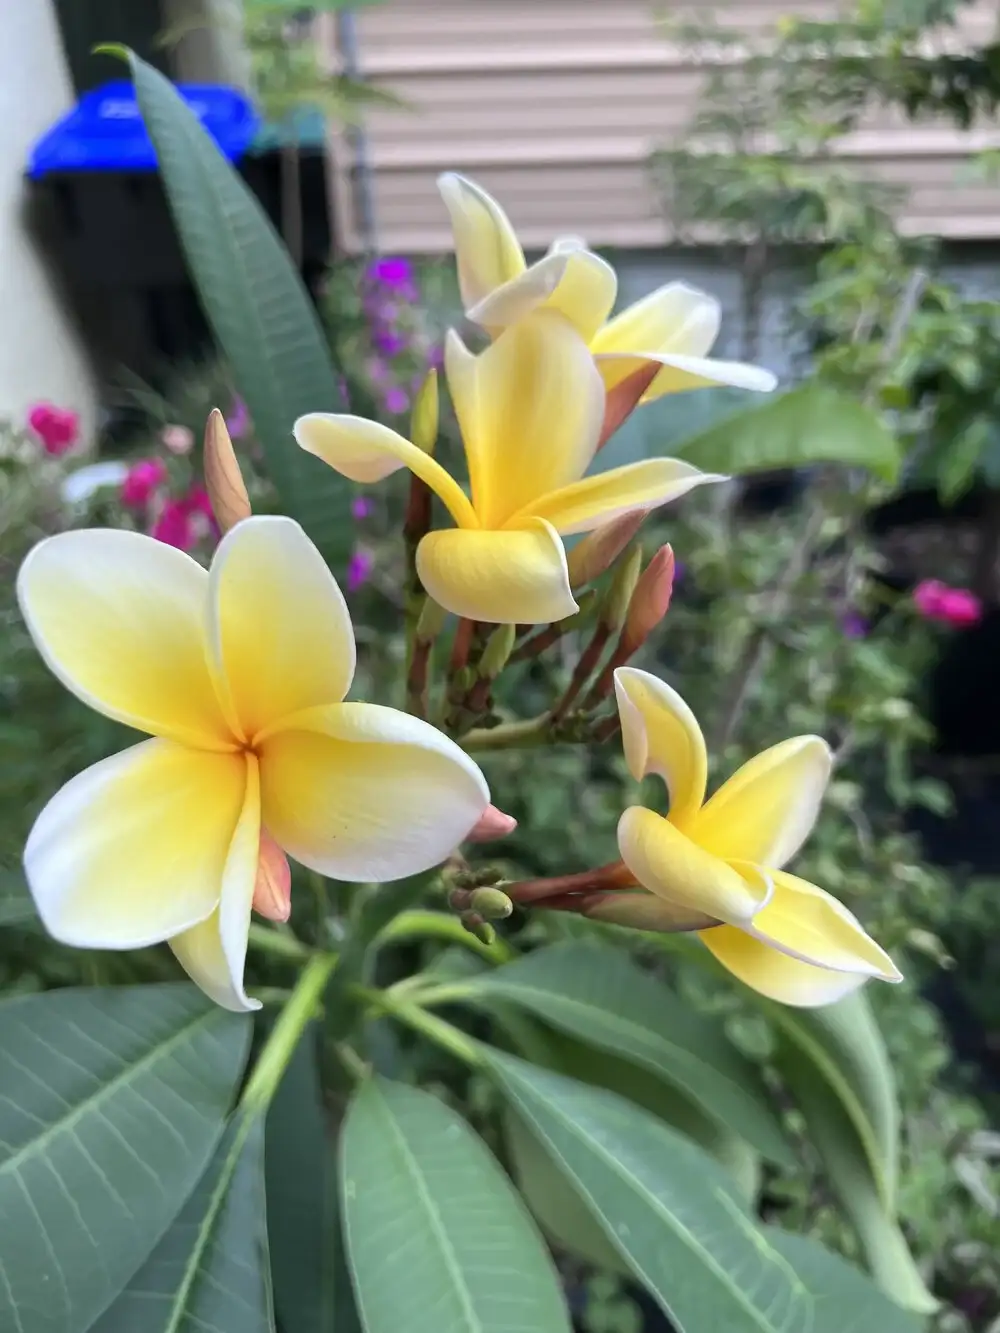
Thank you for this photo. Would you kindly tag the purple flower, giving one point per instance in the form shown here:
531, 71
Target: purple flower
397, 400
392, 271
854, 625
389, 342
238, 421
359, 569
361, 507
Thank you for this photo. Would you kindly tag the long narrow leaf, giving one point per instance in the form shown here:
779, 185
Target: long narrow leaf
256, 304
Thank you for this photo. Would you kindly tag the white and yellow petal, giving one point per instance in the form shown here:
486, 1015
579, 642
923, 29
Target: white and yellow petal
365, 451
365, 793
682, 373
803, 948
133, 850
596, 500
570, 280
279, 628
213, 953
486, 247
513, 577
768, 808
661, 735
674, 318
530, 408
674, 868
119, 618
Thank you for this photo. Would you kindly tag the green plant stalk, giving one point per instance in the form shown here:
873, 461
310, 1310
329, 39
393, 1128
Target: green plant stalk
443, 1034
423, 923
509, 736
279, 945
286, 1033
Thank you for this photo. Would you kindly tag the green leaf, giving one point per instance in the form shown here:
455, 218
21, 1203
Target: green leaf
667, 1208
595, 993
16, 907
113, 1102
209, 1272
806, 426
436, 1235
832, 1134
257, 307
957, 467
841, 1042
312, 1290
846, 1301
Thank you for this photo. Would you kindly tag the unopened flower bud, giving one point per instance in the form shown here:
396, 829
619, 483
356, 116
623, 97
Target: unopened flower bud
492, 823
491, 904
424, 419
475, 925
223, 479
615, 606
272, 891
600, 549
624, 397
430, 622
459, 900
649, 602
498, 649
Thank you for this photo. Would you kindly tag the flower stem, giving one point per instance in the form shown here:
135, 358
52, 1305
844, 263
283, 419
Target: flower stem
443, 1034
275, 942
441, 926
510, 735
286, 1033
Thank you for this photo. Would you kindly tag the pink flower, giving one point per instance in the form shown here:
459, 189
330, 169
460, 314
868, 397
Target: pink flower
177, 439
142, 481
397, 400
959, 607
359, 569
58, 428
174, 526
361, 507
197, 501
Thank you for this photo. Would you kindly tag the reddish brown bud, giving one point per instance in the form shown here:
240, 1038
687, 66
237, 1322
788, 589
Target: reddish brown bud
223, 479
622, 400
649, 603
600, 549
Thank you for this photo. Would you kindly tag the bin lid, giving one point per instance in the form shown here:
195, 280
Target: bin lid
105, 130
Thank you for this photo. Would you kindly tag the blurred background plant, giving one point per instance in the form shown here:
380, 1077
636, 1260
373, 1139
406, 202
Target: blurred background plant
795, 611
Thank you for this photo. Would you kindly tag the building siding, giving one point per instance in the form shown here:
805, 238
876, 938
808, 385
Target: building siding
556, 105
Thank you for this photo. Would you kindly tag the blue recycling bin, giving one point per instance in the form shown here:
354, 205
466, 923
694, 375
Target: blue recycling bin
105, 130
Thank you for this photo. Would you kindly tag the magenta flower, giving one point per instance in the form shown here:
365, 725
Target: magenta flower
197, 501
174, 526
141, 483
392, 271
58, 428
389, 342
397, 400
361, 507
958, 607
359, 569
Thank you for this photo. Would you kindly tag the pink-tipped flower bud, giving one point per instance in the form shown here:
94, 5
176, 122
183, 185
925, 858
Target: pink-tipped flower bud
272, 890
600, 549
493, 823
649, 603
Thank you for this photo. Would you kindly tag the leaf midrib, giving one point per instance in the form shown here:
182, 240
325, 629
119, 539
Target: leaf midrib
683, 1232
411, 1166
127, 1075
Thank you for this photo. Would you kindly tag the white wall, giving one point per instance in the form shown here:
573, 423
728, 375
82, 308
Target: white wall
41, 355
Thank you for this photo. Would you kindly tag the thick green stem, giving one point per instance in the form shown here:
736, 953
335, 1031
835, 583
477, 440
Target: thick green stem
510, 735
443, 1034
286, 1033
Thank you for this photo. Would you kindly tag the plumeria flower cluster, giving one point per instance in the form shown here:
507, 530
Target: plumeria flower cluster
239, 673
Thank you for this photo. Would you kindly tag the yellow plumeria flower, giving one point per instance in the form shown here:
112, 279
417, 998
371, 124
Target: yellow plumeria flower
239, 675
530, 408
675, 325
722, 860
